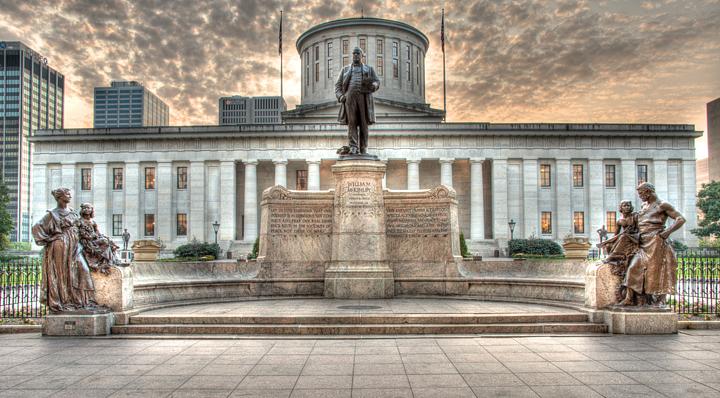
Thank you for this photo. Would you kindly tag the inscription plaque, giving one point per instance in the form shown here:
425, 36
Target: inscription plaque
417, 221
301, 220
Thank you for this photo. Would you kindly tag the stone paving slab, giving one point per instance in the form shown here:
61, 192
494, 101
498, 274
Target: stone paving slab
473, 366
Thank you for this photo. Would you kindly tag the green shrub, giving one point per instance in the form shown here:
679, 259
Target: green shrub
679, 246
20, 246
256, 248
463, 246
535, 247
197, 249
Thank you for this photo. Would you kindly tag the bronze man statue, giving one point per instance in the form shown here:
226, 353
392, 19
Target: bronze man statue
652, 271
353, 89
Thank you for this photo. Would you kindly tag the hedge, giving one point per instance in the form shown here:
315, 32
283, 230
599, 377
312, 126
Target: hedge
539, 247
197, 249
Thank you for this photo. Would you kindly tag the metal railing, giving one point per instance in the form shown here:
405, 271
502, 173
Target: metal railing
20, 286
698, 282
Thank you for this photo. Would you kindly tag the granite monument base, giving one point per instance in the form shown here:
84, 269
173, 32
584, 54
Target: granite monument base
639, 320
114, 290
70, 324
359, 282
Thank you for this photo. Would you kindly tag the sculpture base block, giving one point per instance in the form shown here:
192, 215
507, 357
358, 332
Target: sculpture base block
600, 286
640, 321
371, 282
78, 325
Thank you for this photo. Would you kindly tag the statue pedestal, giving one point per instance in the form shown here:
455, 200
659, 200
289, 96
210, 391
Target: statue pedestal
115, 289
600, 287
145, 250
70, 324
358, 267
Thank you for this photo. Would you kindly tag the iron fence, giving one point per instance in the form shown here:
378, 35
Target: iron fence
698, 282
20, 284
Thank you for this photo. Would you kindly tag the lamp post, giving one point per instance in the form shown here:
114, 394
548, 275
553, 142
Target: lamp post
512, 224
216, 227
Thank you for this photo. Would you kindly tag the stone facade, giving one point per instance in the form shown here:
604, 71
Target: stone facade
499, 171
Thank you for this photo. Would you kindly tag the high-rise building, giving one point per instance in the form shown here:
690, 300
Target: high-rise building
251, 110
713, 138
128, 104
31, 98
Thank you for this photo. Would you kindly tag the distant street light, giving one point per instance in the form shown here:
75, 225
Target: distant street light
216, 227
512, 224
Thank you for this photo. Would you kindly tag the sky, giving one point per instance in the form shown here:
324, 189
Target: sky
604, 61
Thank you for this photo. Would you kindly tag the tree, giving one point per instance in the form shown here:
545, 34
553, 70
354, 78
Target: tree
709, 204
6, 220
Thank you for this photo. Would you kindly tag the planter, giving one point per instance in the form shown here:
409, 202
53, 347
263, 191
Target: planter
145, 250
576, 247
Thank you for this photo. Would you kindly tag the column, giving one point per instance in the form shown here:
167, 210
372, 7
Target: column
250, 208
100, 196
384, 179
627, 181
227, 200
41, 195
500, 200
197, 222
67, 176
413, 174
660, 177
446, 177
313, 175
131, 217
688, 203
477, 211
530, 197
280, 172
596, 191
164, 219
563, 198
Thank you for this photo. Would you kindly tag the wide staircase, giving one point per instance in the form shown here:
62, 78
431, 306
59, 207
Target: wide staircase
320, 317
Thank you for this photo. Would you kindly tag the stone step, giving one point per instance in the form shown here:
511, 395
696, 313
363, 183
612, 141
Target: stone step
358, 319
384, 329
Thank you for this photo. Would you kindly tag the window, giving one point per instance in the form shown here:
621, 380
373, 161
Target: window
117, 178
317, 71
395, 49
182, 178
407, 71
317, 53
642, 173
345, 45
117, 227
86, 177
407, 52
545, 175
396, 73
301, 180
181, 229
611, 222
329, 68
546, 222
380, 66
329, 49
307, 68
149, 178
610, 175
579, 222
379, 46
363, 44
577, 175
345, 61
149, 224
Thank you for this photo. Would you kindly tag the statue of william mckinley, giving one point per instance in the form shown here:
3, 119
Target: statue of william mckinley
353, 89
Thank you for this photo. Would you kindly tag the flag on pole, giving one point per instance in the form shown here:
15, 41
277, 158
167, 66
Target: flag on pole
442, 30
280, 35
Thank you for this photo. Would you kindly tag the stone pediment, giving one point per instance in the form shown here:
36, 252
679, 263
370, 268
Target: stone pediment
386, 111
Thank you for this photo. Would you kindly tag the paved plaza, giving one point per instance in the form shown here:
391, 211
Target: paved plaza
686, 364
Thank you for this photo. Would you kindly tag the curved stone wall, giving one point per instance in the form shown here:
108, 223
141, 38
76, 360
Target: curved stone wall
396, 50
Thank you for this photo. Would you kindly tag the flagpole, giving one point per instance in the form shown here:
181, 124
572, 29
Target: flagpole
442, 39
281, 56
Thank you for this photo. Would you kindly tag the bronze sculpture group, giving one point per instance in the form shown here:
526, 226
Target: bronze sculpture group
640, 253
73, 247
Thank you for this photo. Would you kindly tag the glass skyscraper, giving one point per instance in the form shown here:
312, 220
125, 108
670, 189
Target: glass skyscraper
31, 98
128, 104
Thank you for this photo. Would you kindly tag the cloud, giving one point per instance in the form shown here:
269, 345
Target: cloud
512, 61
